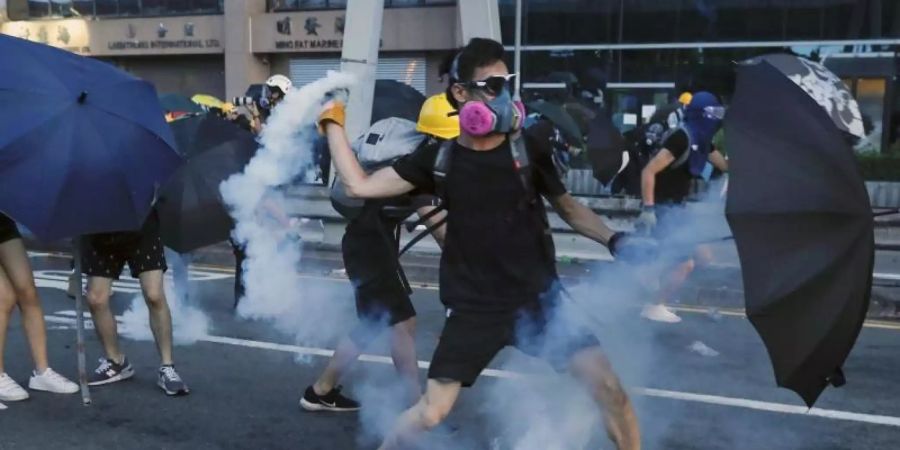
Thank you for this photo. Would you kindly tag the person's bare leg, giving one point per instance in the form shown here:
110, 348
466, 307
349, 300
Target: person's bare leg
14, 260
160, 316
345, 355
431, 409
403, 353
98, 291
7, 305
593, 369
674, 279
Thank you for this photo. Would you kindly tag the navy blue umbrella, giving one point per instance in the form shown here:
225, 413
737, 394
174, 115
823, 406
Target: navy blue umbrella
83, 145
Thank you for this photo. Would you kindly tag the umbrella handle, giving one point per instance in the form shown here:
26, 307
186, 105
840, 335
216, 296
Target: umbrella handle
79, 326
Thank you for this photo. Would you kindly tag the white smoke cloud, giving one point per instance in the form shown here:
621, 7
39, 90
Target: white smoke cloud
274, 289
189, 324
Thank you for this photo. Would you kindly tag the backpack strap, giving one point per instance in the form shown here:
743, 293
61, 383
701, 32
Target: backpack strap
522, 166
678, 162
441, 169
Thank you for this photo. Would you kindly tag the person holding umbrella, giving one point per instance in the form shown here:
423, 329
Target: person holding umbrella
498, 262
103, 257
686, 152
17, 289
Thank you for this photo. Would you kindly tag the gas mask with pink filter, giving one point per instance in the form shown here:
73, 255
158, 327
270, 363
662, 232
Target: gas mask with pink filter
501, 114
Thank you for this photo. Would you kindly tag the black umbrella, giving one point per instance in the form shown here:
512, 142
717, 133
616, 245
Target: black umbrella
396, 99
605, 147
179, 103
801, 219
192, 214
562, 120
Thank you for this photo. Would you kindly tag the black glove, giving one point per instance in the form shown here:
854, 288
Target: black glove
633, 249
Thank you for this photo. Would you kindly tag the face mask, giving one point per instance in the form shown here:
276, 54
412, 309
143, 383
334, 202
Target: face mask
500, 115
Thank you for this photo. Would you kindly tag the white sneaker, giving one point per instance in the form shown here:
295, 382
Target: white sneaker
50, 381
10, 391
659, 313
2, 406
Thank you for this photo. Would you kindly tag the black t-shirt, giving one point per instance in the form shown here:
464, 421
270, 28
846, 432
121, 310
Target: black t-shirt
495, 255
674, 183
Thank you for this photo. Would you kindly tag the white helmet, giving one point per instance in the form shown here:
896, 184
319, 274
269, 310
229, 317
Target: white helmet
281, 82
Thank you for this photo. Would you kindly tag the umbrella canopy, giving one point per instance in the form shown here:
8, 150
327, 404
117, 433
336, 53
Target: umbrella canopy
83, 145
801, 219
179, 103
192, 214
606, 149
561, 119
396, 99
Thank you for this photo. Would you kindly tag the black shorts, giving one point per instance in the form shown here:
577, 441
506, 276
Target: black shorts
380, 287
385, 299
8, 229
470, 340
143, 253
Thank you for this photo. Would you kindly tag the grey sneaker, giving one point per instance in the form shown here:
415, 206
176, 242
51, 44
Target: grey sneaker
170, 382
110, 371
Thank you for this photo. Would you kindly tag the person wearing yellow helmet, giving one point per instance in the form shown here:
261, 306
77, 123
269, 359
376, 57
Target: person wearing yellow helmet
685, 98
369, 251
437, 118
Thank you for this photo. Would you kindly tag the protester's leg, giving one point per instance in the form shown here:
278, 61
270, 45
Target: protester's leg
14, 261
179, 263
344, 356
593, 369
239, 257
674, 280
403, 353
99, 290
160, 316
7, 305
429, 412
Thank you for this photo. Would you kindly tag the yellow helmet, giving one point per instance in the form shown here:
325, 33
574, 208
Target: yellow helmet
685, 98
434, 118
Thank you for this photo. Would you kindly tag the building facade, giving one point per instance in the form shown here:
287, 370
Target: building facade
643, 51
221, 47
648, 51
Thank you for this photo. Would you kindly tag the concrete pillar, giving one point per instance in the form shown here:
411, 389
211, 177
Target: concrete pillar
479, 18
359, 56
242, 67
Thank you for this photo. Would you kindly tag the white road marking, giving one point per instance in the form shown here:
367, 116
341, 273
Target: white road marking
67, 317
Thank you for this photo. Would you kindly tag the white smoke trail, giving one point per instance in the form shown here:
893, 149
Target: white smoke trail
274, 290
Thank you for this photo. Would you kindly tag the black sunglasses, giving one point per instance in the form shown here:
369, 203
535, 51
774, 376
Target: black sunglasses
492, 85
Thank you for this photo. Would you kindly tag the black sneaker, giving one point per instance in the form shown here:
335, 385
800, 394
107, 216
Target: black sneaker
332, 401
170, 382
110, 371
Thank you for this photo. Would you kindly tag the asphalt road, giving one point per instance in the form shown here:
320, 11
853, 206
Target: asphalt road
247, 375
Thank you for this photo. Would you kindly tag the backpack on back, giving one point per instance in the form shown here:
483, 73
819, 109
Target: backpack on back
383, 143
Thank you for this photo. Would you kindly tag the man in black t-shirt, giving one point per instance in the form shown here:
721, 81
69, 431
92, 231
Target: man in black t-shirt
686, 152
497, 275
103, 256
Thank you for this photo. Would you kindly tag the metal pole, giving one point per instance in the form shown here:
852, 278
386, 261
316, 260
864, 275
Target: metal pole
79, 326
517, 53
359, 56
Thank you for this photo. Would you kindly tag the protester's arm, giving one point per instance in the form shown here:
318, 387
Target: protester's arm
440, 232
581, 218
718, 161
383, 183
648, 176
